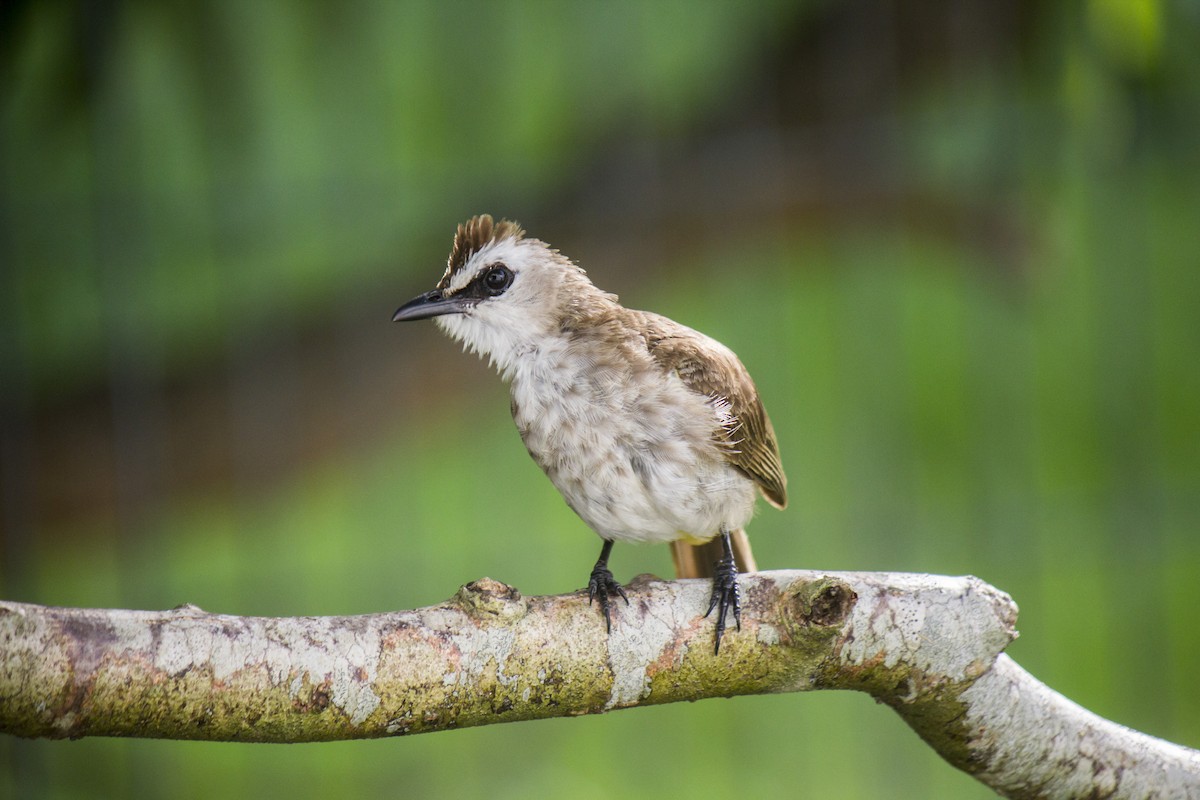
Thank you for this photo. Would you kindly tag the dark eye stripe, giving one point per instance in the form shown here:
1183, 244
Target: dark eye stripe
491, 282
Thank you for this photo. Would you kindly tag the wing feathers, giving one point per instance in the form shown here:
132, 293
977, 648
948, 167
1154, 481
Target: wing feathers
709, 368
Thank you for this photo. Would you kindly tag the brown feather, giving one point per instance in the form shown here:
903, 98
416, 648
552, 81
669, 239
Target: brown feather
750, 442
472, 236
708, 368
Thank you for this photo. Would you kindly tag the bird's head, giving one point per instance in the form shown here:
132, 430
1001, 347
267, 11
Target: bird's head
502, 293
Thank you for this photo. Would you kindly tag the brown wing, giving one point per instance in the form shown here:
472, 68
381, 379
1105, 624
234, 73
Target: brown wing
709, 368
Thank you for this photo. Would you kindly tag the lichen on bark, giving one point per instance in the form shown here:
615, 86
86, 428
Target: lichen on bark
930, 647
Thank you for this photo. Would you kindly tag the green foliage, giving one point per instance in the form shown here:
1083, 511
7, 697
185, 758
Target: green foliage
232, 165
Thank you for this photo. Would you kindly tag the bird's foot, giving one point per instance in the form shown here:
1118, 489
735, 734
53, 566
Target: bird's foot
602, 586
725, 596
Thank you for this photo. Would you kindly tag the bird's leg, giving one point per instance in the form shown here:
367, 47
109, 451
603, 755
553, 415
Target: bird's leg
725, 594
602, 585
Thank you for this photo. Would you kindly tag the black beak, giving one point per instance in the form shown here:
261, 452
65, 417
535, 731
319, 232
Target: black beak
430, 304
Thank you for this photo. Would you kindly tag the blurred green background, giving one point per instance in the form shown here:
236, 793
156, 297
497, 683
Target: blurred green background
956, 243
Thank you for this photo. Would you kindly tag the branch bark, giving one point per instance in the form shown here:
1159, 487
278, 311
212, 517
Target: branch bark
928, 646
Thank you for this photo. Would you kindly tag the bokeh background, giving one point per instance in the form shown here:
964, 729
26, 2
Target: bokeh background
957, 244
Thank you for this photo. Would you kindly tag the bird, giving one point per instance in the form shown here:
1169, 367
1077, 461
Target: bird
651, 431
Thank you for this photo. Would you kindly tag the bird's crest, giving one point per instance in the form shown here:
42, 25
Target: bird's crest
472, 236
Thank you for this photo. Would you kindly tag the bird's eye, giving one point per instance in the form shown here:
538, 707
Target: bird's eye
497, 279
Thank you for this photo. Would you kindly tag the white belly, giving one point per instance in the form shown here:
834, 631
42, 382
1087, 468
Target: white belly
634, 456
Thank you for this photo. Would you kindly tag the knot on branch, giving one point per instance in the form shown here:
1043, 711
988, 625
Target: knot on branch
826, 603
489, 597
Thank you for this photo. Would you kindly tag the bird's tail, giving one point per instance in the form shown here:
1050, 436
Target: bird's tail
697, 560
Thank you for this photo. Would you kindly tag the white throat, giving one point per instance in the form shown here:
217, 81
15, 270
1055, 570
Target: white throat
505, 343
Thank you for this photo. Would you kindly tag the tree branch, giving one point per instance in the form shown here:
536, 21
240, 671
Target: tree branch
928, 646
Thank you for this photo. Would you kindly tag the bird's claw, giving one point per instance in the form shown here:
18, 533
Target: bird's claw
725, 595
602, 586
